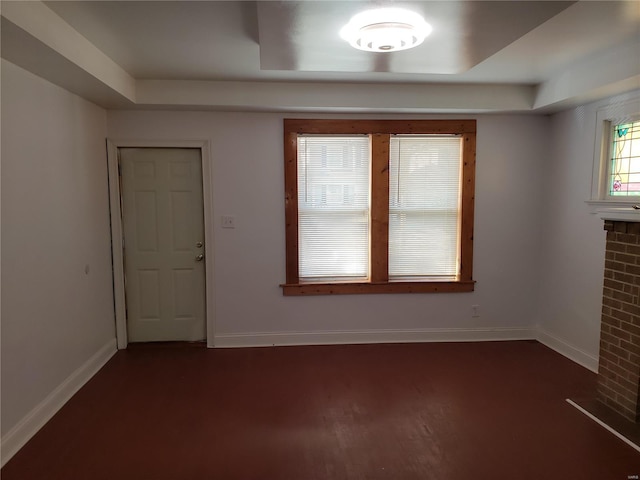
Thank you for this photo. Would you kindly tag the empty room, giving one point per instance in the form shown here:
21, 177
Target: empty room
297, 240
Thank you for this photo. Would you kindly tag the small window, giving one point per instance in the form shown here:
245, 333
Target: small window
379, 206
624, 163
616, 166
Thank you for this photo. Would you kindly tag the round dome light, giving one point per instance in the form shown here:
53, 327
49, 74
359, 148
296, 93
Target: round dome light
386, 30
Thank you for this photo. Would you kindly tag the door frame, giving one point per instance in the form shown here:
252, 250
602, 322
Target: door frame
115, 214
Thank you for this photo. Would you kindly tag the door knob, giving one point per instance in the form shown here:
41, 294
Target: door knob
199, 258
199, 244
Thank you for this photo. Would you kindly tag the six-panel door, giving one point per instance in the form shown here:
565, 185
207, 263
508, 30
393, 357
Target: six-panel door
164, 250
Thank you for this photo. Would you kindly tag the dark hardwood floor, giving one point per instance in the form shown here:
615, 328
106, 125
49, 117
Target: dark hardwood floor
402, 411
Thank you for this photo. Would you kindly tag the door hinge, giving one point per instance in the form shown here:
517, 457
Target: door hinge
118, 159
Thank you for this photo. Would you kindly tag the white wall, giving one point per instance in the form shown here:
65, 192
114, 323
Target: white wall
573, 245
250, 260
55, 222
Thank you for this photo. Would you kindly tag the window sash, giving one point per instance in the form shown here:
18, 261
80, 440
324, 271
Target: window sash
333, 207
424, 206
423, 244
623, 172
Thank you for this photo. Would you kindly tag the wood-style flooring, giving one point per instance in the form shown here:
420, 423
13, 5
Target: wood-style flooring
442, 411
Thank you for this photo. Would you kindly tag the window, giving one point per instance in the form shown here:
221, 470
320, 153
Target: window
424, 206
333, 208
624, 163
379, 206
616, 167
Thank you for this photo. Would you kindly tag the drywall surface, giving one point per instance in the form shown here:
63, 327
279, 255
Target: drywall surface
57, 306
247, 162
573, 241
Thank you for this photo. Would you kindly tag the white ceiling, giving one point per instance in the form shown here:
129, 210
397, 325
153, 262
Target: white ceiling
534, 54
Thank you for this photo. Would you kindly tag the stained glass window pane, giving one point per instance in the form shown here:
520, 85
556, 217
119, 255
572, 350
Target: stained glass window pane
624, 169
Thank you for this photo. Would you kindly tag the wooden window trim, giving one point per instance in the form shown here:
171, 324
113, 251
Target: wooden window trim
379, 131
379, 228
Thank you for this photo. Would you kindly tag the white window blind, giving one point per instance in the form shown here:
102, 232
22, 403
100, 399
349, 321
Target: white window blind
333, 207
424, 206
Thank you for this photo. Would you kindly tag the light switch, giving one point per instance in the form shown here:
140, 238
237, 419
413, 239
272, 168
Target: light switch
228, 221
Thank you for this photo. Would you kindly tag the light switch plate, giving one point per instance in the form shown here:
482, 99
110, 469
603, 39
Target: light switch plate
228, 221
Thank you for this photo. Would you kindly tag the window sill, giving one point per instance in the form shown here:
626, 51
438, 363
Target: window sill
382, 287
598, 205
620, 210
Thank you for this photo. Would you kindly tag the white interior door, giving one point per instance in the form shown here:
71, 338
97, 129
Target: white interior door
163, 230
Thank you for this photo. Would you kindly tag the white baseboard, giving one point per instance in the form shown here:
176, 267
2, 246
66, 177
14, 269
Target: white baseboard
570, 351
373, 336
15, 438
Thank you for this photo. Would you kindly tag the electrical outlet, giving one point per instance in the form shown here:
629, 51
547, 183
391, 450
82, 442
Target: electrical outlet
475, 311
228, 221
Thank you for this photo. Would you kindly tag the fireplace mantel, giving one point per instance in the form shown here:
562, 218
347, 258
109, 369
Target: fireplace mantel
623, 214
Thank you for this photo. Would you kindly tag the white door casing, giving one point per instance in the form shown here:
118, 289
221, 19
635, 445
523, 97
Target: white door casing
165, 282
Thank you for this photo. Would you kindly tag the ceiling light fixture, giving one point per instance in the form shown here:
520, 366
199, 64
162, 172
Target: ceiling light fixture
386, 30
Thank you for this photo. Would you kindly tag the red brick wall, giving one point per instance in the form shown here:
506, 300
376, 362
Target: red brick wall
619, 370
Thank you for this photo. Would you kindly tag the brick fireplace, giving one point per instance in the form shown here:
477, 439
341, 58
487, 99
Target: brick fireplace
619, 369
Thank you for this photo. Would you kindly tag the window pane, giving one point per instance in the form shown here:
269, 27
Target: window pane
333, 207
424, 206
624, 168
